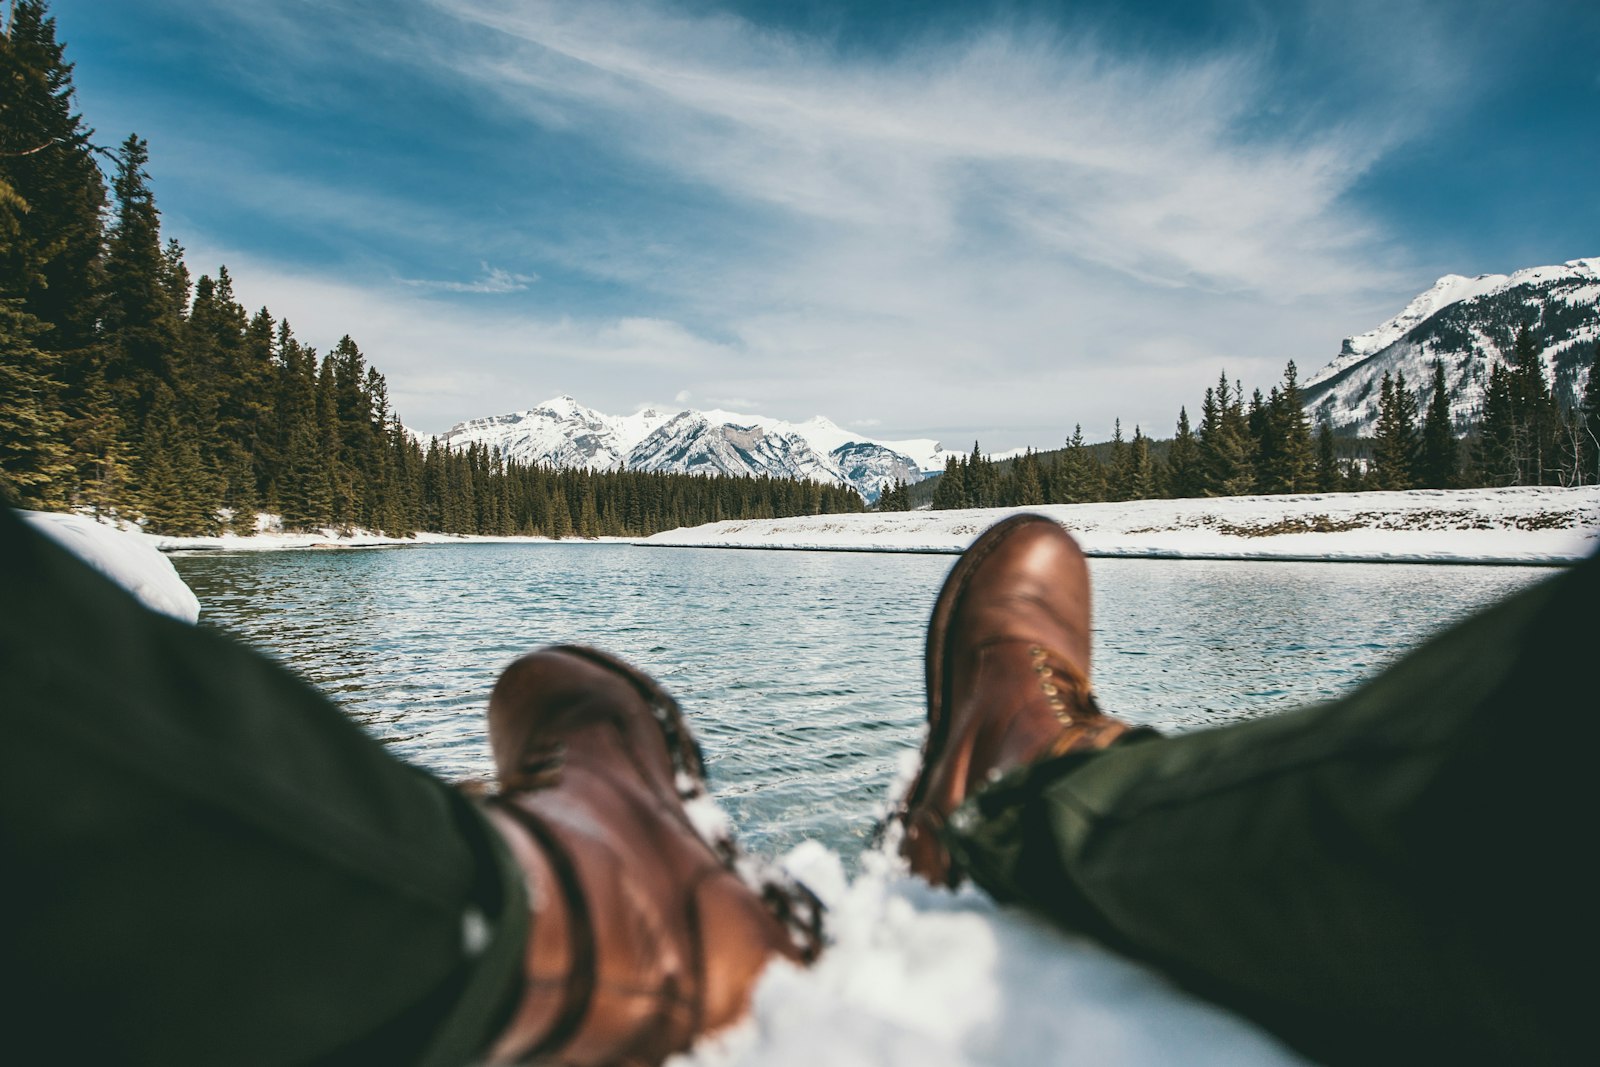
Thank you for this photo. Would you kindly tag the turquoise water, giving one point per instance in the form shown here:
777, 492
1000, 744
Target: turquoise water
801, 672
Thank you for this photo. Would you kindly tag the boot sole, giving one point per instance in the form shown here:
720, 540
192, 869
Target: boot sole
944, 608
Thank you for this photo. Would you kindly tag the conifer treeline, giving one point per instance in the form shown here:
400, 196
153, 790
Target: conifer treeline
1267, 446
128, 387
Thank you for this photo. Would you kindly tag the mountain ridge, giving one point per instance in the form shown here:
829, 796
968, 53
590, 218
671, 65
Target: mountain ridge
1468, 325
563, 432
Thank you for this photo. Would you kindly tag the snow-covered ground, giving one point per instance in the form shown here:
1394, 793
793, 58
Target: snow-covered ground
272, 542
127, 559
915, 976
1520, 525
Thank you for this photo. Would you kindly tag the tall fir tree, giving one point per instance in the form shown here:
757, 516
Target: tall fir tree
1496, 456
1394, 447
141, 322
1028, 487
1289, 464
1536, 419
34, 463
1438, 462
1185, 477
1119, 473
50, 227
1328, 479
1589, 434
951, 492
1226, 449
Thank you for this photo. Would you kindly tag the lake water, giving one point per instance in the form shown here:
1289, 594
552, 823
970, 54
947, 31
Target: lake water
801, 672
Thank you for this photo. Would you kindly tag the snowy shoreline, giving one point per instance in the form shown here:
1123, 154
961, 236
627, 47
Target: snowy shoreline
1516, 526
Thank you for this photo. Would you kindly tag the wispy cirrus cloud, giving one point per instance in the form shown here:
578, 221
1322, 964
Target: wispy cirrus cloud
1021, 135
492, 280
734, 209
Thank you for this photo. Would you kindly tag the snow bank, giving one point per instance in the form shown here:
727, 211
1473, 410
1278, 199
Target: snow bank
270, 537
914, 976
126, 558
924, 977
273, 542
1518, 525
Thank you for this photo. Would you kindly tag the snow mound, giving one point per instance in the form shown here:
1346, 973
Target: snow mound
127, 559
923, 977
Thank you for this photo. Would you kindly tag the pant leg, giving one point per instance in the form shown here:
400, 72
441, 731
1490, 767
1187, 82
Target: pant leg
1397, 875
206, 862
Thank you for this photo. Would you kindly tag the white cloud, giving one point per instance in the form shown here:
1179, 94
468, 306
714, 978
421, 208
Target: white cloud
681, 396
1118, 162
493, 280
998, 236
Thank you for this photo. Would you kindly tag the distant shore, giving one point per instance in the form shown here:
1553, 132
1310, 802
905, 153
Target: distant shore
1516, 526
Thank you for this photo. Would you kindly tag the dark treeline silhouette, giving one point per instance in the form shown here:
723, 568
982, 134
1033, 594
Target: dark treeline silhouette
1266, 445
130, 388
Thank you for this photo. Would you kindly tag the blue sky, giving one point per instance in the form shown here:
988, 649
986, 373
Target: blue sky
965, 221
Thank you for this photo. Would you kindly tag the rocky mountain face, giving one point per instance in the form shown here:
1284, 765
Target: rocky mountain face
1467, 324
564, 433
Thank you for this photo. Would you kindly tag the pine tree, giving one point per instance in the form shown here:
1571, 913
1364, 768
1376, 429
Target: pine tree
1288, 463
982, 482
141, 324
1395, 438
1141, 483
177, 492
1119, 480
1496, 459
50, 224
1590, 422
1327, 471
1074, 483
1437, 462
951, 492
1536, 418
34, 466
1028, 490
1226, 449
1184, 474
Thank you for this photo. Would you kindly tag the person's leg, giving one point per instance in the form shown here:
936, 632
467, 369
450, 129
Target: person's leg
1398, 873
206, 862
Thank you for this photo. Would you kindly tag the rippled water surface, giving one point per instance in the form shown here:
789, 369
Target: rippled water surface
801, 672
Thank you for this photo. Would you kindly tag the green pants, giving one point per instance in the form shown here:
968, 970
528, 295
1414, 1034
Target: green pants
205, 862
1397, 876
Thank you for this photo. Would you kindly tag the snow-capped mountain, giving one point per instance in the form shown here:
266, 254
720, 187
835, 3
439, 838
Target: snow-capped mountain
1468, 325
564, 433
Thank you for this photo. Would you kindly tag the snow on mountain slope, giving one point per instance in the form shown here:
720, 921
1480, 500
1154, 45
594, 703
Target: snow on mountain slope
1467, 324
695, 442
564, 433
560, 432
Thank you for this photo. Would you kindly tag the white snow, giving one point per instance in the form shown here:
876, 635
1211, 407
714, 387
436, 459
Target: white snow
126, 558
565, 433
1452, 289
923, 977
1519, 525
331, 538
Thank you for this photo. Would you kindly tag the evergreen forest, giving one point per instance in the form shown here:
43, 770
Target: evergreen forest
1267, 445
134, 390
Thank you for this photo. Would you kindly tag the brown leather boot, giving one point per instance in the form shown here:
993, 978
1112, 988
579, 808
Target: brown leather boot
642, 937
1008, 676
